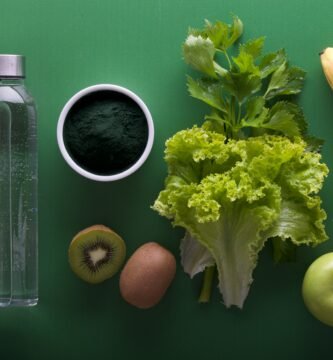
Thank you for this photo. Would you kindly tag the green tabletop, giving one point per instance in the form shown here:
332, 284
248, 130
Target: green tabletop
71, 44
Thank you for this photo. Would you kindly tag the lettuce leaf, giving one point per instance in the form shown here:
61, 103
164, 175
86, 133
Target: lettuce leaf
195, 258
232, 196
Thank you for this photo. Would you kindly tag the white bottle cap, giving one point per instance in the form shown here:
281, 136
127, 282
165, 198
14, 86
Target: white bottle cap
12, 66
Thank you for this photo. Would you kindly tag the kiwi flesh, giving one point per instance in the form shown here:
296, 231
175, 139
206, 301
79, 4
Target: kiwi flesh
96, 253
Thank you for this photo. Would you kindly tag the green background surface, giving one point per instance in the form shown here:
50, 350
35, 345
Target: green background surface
71, 44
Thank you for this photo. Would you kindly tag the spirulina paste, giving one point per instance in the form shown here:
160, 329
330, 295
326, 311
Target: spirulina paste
105, 132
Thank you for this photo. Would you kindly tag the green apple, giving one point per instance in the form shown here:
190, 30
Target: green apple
317, 289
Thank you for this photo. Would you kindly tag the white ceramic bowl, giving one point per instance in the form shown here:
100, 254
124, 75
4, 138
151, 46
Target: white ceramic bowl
68, 107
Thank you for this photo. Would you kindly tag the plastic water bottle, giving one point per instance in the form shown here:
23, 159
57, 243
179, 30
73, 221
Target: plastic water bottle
18, 187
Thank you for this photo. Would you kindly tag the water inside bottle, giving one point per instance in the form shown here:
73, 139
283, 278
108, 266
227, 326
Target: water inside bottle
18, 187
5, 206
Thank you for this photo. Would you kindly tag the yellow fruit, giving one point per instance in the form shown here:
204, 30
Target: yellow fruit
326, 58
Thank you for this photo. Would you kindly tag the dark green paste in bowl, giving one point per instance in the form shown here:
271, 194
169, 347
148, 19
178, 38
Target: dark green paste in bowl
105, 132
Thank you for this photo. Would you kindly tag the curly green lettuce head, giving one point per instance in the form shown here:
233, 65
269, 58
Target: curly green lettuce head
231, 196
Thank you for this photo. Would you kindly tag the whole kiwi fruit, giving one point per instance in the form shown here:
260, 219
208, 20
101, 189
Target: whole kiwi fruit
147, 275
96, 253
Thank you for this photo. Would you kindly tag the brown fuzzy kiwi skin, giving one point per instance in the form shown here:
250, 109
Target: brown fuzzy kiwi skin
147, 275
76, 238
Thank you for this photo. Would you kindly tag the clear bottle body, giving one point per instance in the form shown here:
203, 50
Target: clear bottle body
18, 195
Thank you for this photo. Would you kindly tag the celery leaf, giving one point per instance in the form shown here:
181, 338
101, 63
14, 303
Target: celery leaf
253, 47
241, 85
271, 62
285, 81
209, 91
199, 53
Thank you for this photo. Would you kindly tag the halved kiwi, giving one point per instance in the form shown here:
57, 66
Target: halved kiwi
96, 253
